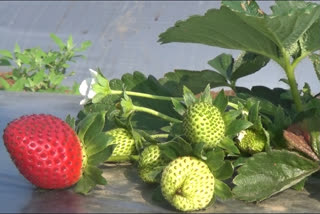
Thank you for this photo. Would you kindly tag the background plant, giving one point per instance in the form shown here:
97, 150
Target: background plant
36, 70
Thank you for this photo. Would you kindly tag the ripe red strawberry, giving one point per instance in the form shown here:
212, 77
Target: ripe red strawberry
49, 153
46, 150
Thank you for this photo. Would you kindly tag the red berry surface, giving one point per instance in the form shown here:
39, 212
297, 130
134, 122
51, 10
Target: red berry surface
45, 149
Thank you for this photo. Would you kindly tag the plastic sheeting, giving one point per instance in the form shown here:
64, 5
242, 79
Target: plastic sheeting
125, 192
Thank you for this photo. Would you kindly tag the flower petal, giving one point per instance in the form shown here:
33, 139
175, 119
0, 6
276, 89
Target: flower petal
91, 94
84, 101
84, 86
93, 72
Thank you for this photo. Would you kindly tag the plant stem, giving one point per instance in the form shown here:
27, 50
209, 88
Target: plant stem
289, 69
159, 135
123, 158
150, 96
233, 105
294, 89
156, 113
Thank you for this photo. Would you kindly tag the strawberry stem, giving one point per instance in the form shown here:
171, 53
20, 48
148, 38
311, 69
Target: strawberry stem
289, 70
123, 158
156, 113
233, 105
145, 95
160, 135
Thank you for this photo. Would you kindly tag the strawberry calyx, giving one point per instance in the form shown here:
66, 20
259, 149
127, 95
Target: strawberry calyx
96, 148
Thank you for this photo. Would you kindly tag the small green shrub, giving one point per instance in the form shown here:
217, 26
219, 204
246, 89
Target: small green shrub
35, 70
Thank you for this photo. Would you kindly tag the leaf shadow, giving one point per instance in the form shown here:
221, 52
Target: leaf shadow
146, 190
313, 185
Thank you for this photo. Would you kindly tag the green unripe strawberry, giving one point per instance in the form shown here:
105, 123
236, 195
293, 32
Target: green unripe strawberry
124, 140
251, 142
150, 159
187, 183
203, 122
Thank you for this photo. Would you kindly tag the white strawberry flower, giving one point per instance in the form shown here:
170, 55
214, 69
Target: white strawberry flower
86, 87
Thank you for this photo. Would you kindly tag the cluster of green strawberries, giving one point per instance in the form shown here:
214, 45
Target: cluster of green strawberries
52, 155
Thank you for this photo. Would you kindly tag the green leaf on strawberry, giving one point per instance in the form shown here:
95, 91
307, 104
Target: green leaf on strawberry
265, 174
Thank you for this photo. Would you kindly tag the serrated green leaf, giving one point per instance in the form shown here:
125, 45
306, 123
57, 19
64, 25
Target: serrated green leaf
95, 174
215, 159
246, 7
194, 80
225, 171
221, 101
285, 7
218, 27
260, 35
58, 41
236, 126
310, 40
266, 174
315, 58
229, 145
248, 63
222, 190
102, 156
224, 64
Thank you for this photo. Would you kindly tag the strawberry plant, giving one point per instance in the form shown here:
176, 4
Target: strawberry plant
262, 140
38, 71
196, 148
